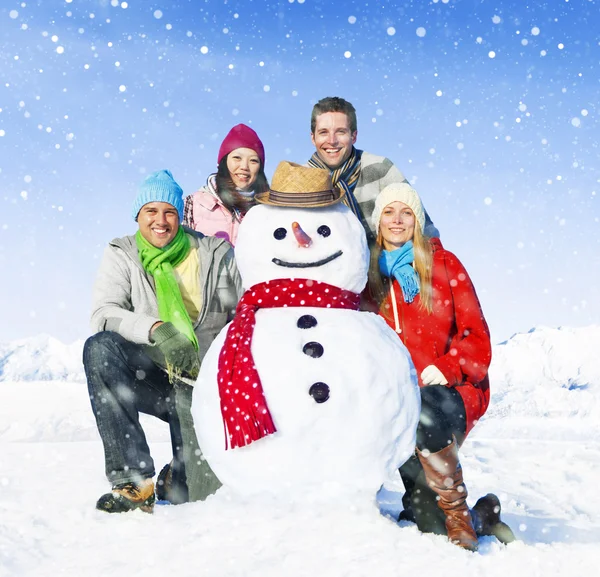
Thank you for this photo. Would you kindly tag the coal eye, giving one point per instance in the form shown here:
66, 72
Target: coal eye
280, 233
324, 230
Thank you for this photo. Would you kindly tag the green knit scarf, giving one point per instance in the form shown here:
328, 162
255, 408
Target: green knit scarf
159, 262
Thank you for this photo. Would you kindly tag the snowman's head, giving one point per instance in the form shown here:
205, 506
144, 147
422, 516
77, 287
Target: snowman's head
323, 244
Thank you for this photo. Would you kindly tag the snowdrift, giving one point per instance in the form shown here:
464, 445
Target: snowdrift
41, 358
547, 372
536, 448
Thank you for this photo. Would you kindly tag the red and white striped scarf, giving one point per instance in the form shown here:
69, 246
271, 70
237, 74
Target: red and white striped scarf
246, 416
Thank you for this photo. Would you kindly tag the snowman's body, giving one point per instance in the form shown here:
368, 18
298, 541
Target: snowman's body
339, 384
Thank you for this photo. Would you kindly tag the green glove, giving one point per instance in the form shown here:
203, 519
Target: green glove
175, 352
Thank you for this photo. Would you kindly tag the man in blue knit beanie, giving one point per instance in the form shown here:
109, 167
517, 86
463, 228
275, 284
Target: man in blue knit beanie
158, 303
160, 186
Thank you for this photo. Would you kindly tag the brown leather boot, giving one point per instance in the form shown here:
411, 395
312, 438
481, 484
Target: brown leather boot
444, 475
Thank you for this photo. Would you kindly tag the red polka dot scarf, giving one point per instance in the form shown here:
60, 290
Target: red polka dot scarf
246, 416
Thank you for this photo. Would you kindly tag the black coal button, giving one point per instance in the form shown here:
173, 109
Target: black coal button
312, 349
319, 392
307, 322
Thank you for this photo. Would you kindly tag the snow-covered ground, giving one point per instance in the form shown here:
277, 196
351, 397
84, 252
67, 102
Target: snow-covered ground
538, 448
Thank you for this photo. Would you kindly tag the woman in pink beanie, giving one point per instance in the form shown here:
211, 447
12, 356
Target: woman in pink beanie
218, 207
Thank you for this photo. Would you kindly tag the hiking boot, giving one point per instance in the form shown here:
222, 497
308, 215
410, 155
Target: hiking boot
169, 486
128, 497
163, 482
486, 519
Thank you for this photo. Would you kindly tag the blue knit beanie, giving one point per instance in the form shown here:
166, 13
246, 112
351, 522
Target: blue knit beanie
159, 186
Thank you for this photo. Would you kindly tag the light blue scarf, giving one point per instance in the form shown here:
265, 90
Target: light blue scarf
398, 263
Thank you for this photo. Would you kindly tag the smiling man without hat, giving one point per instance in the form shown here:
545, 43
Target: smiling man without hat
362, 175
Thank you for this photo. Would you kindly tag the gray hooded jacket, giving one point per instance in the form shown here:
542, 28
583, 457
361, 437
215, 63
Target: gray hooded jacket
124, 294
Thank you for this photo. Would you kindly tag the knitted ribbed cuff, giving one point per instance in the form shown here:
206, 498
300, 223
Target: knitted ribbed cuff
163, 332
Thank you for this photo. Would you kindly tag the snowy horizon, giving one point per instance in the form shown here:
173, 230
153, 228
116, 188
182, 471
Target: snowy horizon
46, 358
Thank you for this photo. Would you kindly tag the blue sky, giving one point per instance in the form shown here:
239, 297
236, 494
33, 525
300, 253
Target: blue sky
489, 108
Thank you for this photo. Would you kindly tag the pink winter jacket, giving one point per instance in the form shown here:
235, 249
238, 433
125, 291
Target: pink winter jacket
204, 212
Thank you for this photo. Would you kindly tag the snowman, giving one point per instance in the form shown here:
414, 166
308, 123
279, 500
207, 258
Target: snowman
302, 394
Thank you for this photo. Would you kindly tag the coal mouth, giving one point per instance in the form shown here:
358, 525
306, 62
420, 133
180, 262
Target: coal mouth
321, 262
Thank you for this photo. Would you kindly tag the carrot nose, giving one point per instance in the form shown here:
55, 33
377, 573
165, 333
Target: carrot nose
302, 238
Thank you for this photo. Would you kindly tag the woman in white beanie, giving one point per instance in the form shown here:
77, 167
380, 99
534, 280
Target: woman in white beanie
425, 294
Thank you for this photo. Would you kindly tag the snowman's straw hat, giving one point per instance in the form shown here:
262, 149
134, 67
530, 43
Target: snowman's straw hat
294, 185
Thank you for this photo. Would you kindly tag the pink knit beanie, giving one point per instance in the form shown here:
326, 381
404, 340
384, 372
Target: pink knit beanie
242, 136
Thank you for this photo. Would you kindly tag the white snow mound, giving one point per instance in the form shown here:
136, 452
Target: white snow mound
547, 372
41, 358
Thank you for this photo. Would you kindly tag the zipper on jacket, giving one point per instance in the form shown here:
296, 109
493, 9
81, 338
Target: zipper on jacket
212, 258
204, 310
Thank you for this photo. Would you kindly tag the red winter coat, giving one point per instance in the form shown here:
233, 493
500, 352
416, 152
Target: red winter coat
455, 337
